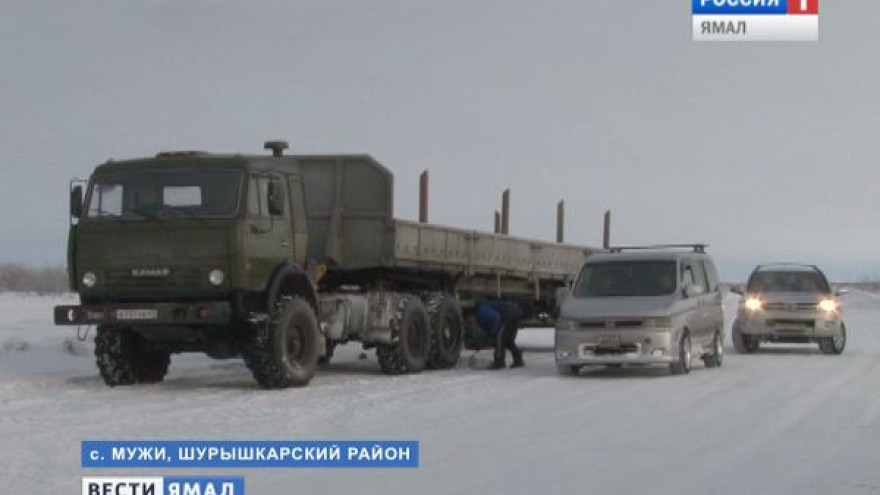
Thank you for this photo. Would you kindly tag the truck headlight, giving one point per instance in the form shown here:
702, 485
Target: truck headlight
89, 279
828, 305
216, 277
753, 304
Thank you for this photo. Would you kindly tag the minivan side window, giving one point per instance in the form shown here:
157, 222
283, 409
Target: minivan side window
687, 275
700, 275
711, 275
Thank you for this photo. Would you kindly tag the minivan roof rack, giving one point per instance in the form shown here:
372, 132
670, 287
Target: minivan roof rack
697, 248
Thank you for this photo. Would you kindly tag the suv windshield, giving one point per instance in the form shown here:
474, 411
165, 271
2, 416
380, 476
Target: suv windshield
165, 193
788, 281
626, 278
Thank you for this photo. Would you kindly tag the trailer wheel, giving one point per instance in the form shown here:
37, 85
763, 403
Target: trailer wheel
125, 358
409, 353
447, 329
283, 351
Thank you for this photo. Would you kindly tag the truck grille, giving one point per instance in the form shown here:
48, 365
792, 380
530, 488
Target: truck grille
177, 278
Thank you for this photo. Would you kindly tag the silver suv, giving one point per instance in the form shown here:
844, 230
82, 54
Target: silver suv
642, 306
789, 303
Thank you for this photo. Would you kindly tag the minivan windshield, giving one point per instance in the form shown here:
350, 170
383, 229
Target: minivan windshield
788, 281
166, 193
626, 278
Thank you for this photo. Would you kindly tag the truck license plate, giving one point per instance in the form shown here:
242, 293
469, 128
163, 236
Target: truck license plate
609, 341
137, 314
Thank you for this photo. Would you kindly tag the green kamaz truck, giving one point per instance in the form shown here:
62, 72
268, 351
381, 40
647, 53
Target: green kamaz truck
277, 259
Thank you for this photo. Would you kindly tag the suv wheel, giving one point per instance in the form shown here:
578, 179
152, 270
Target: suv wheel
683, 366
744, 344
833, 345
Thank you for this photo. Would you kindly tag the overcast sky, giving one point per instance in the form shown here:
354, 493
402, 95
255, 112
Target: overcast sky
767, 151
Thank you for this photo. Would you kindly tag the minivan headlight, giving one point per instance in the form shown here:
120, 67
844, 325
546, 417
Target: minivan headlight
89, 279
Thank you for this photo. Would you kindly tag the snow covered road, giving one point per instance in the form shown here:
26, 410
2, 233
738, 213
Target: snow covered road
786, 420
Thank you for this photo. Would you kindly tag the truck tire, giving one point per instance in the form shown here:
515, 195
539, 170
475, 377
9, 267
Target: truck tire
833, 345
447, 330
716, 359
744, 344
409, 353
685, 356
283, 351
125, 358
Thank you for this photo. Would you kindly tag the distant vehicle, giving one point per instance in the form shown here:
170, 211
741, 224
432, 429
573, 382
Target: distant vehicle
789, 303
277, 259
643, 306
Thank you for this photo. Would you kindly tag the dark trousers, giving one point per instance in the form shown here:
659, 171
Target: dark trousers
506, 340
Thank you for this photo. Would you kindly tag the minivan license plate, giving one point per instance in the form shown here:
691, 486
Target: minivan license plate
609, 341
136, 314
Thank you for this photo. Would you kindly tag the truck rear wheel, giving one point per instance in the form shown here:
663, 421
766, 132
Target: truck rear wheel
283, 351
409, 354
126, 358
447, 329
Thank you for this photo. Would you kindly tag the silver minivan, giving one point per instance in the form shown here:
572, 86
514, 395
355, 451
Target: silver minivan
642, 306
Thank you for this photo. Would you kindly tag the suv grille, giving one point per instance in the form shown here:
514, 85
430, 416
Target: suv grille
790, 306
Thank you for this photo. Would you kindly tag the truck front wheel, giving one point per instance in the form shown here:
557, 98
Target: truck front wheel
283, 351
126, 358
409, 353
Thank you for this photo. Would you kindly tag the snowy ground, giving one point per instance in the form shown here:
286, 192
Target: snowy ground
787, 420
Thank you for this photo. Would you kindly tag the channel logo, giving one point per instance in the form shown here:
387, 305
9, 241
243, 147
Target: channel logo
755, 20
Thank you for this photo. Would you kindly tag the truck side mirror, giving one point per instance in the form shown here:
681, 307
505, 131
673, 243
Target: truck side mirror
276, 198
76, 201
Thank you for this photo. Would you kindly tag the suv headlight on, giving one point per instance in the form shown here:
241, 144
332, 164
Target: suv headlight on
828, 305
89, 279
216, 277
753, 304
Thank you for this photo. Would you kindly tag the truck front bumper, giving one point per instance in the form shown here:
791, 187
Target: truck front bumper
638, 347
194, 313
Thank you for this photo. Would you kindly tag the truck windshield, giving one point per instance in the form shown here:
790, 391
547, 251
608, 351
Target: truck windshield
626, 278
141, 194
788, 281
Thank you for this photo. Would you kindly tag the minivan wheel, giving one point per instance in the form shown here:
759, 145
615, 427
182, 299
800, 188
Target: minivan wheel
744, 344
833, 345
716, 359
683, 366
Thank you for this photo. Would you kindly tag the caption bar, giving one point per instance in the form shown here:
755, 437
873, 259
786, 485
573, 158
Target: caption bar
250, 454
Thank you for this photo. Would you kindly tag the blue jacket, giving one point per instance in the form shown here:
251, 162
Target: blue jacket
488, 317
